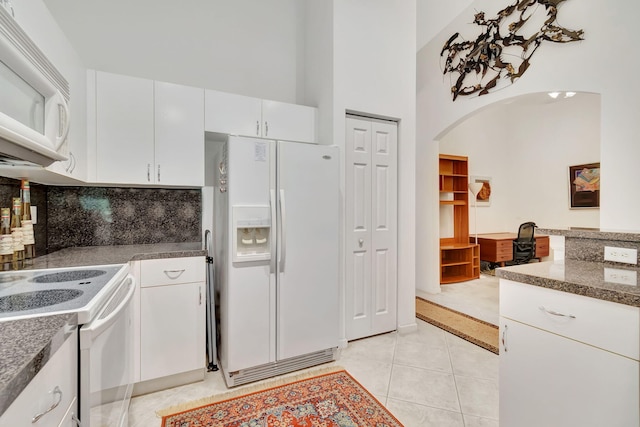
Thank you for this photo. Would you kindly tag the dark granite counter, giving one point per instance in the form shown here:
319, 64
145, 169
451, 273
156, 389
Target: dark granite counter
26, 346
592, 233
592, 279
102, 255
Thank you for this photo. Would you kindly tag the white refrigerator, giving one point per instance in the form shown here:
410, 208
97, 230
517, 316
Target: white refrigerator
277, 249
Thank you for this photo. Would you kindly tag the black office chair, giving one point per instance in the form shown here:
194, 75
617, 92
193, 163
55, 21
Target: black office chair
524, 246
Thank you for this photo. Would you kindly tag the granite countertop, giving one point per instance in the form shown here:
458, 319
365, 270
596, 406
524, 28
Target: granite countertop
102, 255
27, 345
592, 233
578, 277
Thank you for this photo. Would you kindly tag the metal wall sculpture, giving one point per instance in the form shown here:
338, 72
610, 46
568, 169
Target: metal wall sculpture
502, 51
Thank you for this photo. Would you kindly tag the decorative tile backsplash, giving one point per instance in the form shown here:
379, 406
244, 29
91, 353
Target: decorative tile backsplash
90, 216
99, 216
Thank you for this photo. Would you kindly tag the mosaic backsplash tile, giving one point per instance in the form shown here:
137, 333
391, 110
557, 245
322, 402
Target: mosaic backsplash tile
92, 216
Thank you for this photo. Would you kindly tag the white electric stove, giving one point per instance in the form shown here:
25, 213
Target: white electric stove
102, 298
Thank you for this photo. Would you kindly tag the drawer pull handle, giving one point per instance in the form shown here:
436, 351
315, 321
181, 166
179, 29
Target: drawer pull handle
555, 313
57, 391
173, 274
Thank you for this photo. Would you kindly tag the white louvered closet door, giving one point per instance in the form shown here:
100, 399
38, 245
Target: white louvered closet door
371, 228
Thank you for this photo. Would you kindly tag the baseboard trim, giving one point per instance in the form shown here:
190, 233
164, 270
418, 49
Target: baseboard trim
171, 381
407, 329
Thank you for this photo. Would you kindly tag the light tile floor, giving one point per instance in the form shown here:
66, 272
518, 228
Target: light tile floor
426, 378
477, 298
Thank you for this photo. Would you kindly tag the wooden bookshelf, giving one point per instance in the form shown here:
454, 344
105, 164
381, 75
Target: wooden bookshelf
459, 259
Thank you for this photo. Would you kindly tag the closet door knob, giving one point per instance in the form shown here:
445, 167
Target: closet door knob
360, 242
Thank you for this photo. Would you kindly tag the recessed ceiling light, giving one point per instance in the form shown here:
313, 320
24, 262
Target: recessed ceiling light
569, 94
554, 95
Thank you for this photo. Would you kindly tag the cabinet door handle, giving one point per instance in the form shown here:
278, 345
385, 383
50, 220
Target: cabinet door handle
199, 296
37, 417
173, 274
504, 338
266, 128
555, 313
257, 127
158, 173
73, 165
149, 172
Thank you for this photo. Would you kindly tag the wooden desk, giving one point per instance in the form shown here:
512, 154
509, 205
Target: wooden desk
498, 247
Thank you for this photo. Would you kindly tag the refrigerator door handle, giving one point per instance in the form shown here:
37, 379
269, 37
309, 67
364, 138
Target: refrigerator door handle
272, 243
283, 231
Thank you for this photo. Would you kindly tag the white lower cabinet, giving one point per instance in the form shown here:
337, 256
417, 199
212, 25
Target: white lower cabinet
70, 418
172, 316
550, 377
51, 396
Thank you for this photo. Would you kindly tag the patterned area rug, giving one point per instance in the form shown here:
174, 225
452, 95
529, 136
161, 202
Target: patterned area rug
332, 399
466, 327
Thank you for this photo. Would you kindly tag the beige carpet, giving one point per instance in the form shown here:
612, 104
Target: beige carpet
466, 327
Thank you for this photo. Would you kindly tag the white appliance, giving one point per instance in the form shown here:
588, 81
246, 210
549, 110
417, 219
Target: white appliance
101, 296
277, 245
34, 112
106, 361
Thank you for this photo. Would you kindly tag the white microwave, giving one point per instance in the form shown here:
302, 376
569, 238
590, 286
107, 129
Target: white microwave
34, 112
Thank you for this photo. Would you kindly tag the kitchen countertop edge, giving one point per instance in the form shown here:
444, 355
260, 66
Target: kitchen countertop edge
117, 254
53, 331
576, 277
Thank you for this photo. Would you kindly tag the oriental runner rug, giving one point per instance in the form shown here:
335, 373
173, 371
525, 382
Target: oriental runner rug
332, 399
469, 328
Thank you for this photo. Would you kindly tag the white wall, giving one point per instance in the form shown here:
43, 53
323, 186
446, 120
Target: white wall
317, 82
526, 146
360, 56
242, 46
433, 16
374, 73
595, 65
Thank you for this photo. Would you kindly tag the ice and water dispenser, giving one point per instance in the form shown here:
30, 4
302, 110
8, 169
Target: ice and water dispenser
251, 233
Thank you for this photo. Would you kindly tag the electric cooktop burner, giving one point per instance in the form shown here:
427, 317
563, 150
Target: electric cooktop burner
31, 293
67, 276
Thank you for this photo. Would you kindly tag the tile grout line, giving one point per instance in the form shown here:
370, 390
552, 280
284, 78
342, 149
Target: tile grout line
393, 366
455, 383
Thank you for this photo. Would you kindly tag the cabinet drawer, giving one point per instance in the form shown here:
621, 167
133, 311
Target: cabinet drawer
504, 246
504, 250
170, 271
542, 249
61, 372
604, 324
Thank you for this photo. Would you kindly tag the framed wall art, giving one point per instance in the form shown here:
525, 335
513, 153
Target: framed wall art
584, 186
483, 198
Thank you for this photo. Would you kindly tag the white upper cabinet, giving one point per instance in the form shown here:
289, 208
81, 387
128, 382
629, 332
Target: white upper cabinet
147, 132
124, 129
242, 115
232, 114
288, 122
179, 135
